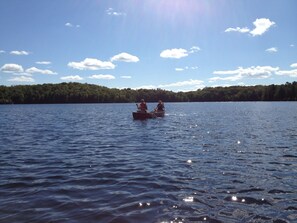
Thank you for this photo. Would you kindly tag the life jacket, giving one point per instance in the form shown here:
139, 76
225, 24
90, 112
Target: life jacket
143, 106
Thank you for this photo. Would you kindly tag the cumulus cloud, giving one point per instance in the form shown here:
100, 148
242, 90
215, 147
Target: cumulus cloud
178, 53
18, 69
290, 73
252, 71
12, 68
112, 12
102, 76
125, 57
174, 53
72, 78
271, 50
43, 62
22, 79
238, 29
91, 64
262, 25
34, 70
19, 53
259, 72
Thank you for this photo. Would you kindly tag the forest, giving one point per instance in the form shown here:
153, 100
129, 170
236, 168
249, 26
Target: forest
90, 93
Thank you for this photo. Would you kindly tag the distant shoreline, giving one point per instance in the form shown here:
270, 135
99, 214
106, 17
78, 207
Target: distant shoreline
75, 93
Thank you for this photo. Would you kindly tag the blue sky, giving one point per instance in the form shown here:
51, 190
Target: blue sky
177, 45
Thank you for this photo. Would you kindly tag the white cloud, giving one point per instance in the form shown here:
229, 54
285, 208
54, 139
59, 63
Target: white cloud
238, 29
18, 69
102, 76
290, 73
271, 50
11, 68
182, 83
179, 69
43, 62
174, 53
34, 70
68, 24
125, 57
91, 64
259, 72
186, 68
261, 26
251, 71
190, 88
72, 78
231, 78
19, 53
112, 12
194, 49
126, 77
188, 85
178, 53
292, 45
2, 51
22, 79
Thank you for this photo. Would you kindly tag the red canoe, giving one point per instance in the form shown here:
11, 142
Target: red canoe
140, 115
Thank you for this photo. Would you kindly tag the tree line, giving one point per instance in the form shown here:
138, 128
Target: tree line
90, 93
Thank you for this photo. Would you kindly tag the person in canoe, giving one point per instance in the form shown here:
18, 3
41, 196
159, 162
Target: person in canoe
142, 106
160, 106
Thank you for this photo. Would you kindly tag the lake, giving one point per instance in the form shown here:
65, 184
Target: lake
202, 162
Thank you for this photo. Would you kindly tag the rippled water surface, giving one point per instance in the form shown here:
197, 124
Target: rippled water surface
202, 162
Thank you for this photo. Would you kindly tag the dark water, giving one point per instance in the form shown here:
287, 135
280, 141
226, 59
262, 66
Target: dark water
202, 162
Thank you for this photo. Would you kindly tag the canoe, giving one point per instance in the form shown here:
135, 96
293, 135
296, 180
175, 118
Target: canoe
140, 115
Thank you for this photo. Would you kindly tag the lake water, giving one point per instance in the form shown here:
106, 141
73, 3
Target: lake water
202, 162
